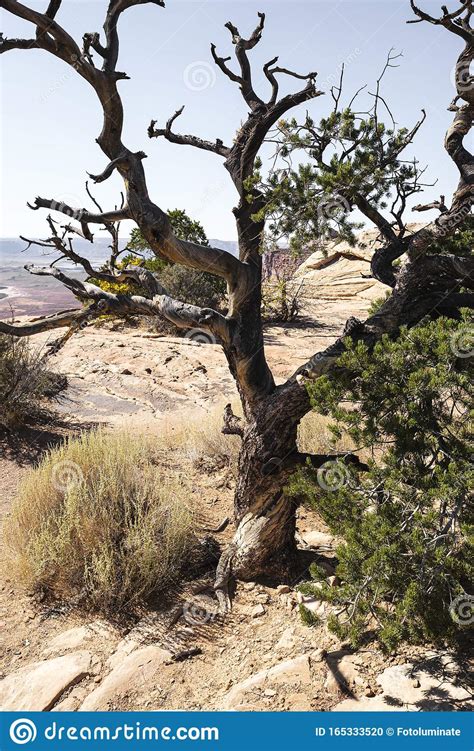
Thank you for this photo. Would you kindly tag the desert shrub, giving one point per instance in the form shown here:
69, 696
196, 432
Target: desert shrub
198, 438
405, 565
280, 300
99, 521
194, 287
25, 383
188, 285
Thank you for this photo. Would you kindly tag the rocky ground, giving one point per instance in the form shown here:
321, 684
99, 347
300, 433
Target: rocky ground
183, 655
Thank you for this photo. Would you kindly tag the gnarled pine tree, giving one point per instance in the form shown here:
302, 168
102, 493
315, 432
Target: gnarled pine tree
427, 284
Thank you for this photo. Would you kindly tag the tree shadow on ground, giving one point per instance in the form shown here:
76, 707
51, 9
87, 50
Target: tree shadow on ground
28, 444
302, 322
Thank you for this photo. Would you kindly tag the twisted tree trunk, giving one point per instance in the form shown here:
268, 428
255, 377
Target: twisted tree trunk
264, 542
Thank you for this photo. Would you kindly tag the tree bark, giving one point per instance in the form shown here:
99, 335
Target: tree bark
265, 519
264, 542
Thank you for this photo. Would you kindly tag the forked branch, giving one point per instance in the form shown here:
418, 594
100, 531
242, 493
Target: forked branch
459, 23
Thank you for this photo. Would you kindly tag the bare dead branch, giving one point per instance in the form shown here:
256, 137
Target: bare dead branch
17, 44
217, 147
463, 198
92, 40
232, 423
244, 80
81, 215
53, 7
114, 165
115, 9
271, 75
440, 205
242, 45
59, 320
449, 20
221, 63
181, 314
50, 35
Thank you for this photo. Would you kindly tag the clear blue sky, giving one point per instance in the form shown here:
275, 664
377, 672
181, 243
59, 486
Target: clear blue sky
50, 116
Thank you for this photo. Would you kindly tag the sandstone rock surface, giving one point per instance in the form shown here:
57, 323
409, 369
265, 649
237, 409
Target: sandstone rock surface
37, 687
136, 671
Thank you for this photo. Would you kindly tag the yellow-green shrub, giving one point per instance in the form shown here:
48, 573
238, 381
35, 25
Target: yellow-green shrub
99, 520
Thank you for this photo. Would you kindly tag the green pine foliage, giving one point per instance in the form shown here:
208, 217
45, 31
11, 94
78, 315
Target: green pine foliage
346, 155
460, 242
308, 618
406, 525
186, 285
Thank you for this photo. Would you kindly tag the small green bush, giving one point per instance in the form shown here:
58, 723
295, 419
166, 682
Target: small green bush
378, 303
280, 300
307, 616
193, 287
185, 284
405, 565
98, 521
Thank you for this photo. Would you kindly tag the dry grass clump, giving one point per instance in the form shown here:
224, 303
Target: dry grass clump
98, 521
25, 383
199, 438
104, 520
315, 437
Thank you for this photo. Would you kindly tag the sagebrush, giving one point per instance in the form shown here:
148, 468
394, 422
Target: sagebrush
100, 522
